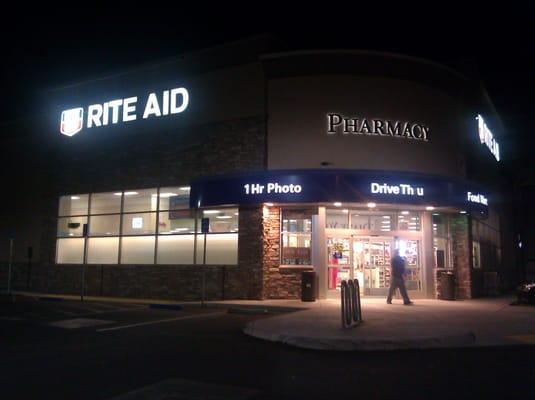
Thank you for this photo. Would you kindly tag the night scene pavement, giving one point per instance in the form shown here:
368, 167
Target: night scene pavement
199, 352
426, 324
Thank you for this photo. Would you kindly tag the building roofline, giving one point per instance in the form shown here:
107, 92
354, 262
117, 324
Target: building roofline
373, 53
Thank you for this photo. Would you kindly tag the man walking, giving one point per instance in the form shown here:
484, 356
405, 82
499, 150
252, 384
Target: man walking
396, 279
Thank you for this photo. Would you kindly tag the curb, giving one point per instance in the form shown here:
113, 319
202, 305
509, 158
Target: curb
239, 310
387, 344
166, 306
56, 299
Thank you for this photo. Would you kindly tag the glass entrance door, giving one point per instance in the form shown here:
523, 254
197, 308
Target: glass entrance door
368, 259
339, 261
371, 263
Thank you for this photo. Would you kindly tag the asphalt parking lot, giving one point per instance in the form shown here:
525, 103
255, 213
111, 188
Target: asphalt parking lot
95, 315
140, 352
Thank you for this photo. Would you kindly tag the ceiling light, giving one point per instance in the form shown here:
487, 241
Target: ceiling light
386, 216
118, 194
167, 195
185, 188
371, 205
211, 212
436, 214
429, 208
75, 197
130, 193
337, 204
268, 204
404, 212
236, 213
462, 212
224, 216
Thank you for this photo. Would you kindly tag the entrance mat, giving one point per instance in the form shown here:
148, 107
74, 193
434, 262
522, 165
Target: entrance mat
181, 389
77, 323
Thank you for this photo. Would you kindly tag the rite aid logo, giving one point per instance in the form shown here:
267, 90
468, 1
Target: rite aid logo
72, 121
168, 102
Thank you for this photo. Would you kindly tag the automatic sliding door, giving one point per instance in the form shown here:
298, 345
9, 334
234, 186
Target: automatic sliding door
339, 262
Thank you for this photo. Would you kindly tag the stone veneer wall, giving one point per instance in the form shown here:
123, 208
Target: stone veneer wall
159, 159
462, 263
279, 283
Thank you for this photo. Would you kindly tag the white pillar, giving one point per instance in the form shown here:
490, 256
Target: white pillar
428, 267
319, 251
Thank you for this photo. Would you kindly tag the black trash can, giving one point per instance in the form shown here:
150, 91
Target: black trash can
308, 286
447, 285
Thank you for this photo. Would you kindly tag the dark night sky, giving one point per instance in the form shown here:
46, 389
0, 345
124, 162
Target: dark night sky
57, 46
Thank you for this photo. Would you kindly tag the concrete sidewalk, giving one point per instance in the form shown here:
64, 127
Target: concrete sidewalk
427, 324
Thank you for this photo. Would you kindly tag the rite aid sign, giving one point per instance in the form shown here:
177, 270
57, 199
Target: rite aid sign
169, 102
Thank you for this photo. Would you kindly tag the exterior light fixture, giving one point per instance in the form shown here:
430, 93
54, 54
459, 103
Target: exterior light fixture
185, 188
345, 211
337, 204
404, 212
166, 195
75, 197
268, 204
462, 212
130, 193
224, 216
371, 205
211, 212
430, 208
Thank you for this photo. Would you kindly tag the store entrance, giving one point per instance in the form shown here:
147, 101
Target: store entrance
368, 258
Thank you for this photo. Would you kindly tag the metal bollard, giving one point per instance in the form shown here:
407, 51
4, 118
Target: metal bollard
350, 303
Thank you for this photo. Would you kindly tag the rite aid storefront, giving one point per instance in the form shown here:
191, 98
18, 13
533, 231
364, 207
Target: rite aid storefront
295, 169
345, 224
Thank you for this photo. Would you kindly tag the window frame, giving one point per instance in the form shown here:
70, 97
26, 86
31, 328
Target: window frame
122, 215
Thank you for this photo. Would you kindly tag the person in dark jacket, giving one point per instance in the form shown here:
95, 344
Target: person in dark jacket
396, 279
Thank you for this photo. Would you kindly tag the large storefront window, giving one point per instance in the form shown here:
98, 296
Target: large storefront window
441, 241
372, 220
296, 237
143, 226
486, 244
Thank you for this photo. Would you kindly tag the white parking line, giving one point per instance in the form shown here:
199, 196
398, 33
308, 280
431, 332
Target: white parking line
115, 328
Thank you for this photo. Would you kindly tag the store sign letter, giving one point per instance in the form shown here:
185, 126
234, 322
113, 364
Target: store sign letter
402, 189
338, 124
271, 188
477, 198
173, 101
486, 136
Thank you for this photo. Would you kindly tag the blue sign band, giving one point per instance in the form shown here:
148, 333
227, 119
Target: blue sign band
327, 186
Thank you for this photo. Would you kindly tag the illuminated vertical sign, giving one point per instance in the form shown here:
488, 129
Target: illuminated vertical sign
486, 137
